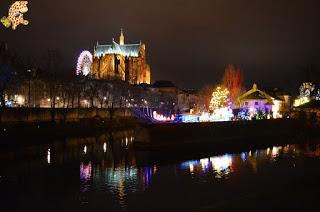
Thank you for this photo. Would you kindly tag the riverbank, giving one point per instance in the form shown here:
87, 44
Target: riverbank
219, 135
11, 116
27, 126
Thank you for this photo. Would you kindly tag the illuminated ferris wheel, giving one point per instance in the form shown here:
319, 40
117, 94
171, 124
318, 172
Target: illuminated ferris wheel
84, 63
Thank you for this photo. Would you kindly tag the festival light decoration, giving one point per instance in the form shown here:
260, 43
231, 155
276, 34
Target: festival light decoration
318, 95
84, 63
276, 109
6, 22
276, 151
15, 15
305, 94
300, 101
219, 99
306, 88
189, 118
220, 105
19, 99
162, 118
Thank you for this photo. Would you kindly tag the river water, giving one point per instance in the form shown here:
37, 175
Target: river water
104, 174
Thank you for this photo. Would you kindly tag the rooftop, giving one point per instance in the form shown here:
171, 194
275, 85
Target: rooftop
256, 95
129, 50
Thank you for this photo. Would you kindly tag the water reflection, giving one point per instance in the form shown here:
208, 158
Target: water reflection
85, 172
48, 156
221, 166
106, 166
104, 147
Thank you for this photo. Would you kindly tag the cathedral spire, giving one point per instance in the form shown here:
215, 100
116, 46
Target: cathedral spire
121, 38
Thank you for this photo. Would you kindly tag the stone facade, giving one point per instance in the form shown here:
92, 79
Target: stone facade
126, 62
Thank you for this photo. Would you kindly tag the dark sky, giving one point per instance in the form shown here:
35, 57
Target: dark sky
188, 41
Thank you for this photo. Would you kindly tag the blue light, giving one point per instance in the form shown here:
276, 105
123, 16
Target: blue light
188, 118
243, 156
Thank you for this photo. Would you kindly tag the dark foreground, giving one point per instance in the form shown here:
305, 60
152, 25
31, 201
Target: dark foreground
103, 173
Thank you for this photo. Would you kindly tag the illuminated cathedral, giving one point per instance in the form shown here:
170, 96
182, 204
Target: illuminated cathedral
121, 61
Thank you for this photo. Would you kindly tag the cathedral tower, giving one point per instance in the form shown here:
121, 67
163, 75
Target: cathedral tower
121, 38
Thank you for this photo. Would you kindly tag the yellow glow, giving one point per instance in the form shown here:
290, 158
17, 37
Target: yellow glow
268, 151
276, 109
191, 168
276, 151
160, 117
219, 98
20, 99
300, 101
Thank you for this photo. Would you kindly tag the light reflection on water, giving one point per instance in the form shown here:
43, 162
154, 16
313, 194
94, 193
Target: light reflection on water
107, 166
222, 166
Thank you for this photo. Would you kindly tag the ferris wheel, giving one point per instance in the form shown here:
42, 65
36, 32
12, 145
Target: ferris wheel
84, 63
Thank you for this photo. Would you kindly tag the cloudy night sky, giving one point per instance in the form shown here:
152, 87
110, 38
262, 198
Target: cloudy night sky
189, 42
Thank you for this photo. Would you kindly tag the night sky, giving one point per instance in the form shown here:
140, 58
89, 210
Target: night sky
189, 42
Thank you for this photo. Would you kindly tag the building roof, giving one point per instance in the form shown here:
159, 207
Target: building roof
256, 95
163, 84
129, 50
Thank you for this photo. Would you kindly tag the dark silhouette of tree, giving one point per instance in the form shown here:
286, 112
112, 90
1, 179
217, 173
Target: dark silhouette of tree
51, 63
204, 95
11, 72
103, 93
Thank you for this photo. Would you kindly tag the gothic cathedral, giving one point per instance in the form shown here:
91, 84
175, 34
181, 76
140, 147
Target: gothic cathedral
121, 61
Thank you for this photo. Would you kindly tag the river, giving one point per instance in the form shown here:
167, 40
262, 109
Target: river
104, 173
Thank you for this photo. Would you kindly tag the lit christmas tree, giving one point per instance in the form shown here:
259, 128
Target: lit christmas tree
220, 99
220, 106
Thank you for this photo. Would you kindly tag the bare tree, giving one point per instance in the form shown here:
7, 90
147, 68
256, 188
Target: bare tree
11, 74
51, 62
205, 94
